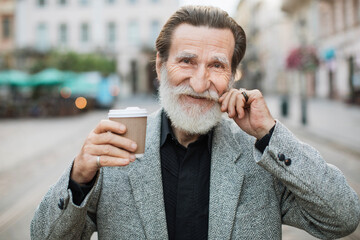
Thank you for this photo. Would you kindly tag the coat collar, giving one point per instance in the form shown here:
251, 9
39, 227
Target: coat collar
225, 182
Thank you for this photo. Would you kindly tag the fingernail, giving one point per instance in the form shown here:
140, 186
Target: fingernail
122, 128
132, 157
133, 146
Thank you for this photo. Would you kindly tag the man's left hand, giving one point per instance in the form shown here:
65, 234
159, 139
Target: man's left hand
252, 116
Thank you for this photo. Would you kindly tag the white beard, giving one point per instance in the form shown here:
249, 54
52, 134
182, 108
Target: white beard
190, 118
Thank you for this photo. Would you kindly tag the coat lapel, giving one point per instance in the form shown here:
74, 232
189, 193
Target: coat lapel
225, 182
146, 183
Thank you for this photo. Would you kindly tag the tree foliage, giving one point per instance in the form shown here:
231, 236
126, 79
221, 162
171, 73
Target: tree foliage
71, 61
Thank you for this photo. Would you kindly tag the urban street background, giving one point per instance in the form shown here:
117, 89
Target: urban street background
64, 63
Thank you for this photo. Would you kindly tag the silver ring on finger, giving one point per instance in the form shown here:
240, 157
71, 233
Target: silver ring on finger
98, 161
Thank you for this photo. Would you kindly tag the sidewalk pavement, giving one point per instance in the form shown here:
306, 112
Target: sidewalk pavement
332, 121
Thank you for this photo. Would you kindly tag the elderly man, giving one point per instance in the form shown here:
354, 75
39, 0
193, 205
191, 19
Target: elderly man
203, 176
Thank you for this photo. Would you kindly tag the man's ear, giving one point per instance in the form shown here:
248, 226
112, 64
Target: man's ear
158, 65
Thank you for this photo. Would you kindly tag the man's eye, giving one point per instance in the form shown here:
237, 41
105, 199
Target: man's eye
187, 61
218, 65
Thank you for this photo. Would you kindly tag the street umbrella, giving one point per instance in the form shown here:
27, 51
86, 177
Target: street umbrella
69, 76
48, 77
14, 78
81, 86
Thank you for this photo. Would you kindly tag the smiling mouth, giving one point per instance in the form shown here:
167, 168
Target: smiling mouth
197, 97
201, 98
205, 103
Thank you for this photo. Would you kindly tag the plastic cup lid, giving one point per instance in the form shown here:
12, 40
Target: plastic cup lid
127, 112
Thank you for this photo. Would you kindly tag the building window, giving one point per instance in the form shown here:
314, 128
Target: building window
133, 33
6, 27
63, 34
111, 32
154, 31
110, 1
42, 37
41, 3
62, 2
85, 33
154, 1
132, 1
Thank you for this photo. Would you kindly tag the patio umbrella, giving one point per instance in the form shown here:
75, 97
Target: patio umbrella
81, 86
48, 77
14, 78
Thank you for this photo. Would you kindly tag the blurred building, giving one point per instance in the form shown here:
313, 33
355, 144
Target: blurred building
303, 17
339, 44
278, 28
267, 43
123, 29
7, 9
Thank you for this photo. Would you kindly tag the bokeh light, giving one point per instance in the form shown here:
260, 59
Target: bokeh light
114, 91
80, 102
65, 92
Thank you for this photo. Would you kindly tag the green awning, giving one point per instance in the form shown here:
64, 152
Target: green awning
81, 86
48, 77
15, 78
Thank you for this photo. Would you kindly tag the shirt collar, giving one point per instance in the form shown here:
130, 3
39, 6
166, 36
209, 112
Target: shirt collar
166, 130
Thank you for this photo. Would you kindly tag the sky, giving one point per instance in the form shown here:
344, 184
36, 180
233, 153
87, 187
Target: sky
227, 5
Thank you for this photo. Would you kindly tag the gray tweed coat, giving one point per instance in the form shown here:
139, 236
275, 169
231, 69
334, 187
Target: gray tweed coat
251, 194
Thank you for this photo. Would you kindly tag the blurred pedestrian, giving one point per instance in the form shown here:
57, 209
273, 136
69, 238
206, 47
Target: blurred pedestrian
203, 176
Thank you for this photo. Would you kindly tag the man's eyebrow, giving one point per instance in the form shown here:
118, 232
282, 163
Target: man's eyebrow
185, 55
223, 60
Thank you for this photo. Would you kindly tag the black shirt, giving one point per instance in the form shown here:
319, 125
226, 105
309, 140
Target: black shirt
186, 184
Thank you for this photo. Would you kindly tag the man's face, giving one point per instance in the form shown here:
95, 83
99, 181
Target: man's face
199, 63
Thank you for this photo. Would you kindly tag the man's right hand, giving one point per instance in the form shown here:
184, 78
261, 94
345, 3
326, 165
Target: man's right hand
104, 141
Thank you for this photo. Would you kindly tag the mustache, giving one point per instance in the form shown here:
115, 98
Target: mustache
188, 90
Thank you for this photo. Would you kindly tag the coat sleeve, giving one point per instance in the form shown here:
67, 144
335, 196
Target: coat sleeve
57, 217
313, 195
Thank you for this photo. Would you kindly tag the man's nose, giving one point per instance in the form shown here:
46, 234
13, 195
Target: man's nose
200, 81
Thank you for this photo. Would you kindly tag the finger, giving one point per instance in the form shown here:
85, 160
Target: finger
240, 105
222, 97
233, 102
112, 126
108, 161
111, 151
225, 101
253, 95
115, 140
